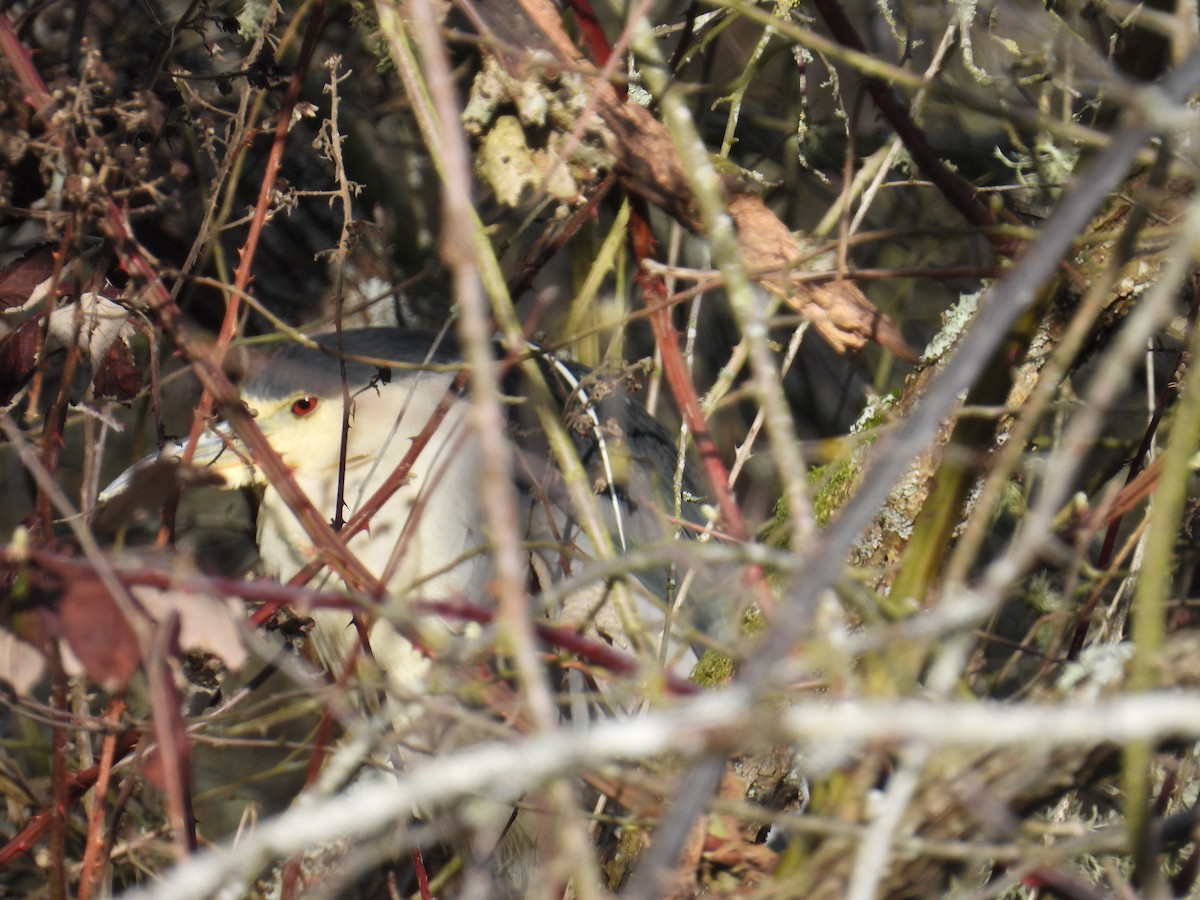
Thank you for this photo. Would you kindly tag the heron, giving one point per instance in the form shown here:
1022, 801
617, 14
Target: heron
343, 410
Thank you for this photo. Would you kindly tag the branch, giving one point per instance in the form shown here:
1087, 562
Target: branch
709, 722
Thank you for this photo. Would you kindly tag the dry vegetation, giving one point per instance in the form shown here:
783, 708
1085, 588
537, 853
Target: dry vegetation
967, 665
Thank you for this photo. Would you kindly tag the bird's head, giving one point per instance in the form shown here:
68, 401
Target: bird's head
298, 399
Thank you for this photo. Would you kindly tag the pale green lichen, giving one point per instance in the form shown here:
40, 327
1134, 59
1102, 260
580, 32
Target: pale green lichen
493, 89
525, 127
512, 168
954, 323
873, 414
250, 17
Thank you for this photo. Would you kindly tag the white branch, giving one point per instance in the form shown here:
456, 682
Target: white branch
505, 771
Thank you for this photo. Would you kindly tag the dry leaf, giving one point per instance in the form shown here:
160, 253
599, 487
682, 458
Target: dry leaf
18, 358
97, 633
21, 664
206, 623
19, 279
117, 377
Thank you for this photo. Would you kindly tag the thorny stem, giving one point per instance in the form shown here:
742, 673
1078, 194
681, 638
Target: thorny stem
1003, 306
249, 249
226, 397
92, 870
498, 495
689, 727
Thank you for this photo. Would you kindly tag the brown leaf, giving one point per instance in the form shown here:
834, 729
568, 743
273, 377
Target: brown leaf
205, 623
649, 167
18, 358
97, 633
117, 378
726, 843
20, 278
842, 314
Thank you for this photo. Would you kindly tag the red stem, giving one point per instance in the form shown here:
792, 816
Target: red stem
242, 276
422, 874
74, 787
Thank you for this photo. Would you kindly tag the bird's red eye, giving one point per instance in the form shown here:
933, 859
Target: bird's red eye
304, 406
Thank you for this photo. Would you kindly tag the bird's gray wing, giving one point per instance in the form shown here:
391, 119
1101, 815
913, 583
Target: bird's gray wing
650, 506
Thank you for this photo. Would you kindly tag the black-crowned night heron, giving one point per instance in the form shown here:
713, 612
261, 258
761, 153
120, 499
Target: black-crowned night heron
428, 541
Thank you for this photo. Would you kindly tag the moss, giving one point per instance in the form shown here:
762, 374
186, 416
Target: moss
833, 483
832, 487
630, 844
753, 622
714, 669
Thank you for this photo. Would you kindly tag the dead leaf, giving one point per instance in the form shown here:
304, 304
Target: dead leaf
18, 358
101, 328
21, 664
20, 278
97, 633
117, 377
726, 842
648, 166
92, 321
206, 623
